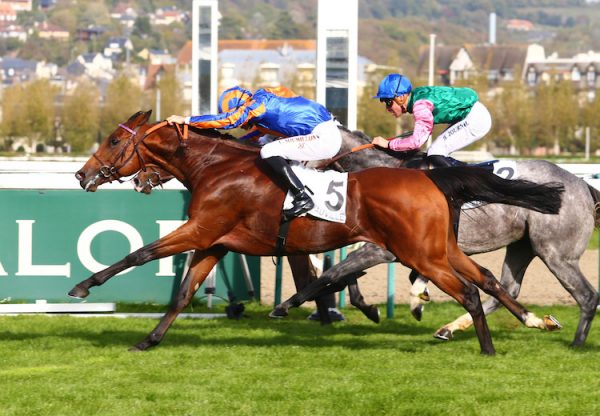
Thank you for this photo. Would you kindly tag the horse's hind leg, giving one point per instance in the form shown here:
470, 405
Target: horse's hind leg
419, 294
201, 265
367, 256
303, 273
485, 280
518, 257
570, 276
466, 294
358, 301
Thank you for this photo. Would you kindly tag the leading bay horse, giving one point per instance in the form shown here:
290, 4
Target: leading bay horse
303, 270
236, 206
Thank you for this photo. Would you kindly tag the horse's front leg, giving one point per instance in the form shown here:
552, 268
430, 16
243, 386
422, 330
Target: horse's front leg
176, 242
201, 265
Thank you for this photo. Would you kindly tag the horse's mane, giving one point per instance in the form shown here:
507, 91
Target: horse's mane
227, 139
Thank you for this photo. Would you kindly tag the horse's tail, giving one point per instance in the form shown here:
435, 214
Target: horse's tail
468, 184
596, 197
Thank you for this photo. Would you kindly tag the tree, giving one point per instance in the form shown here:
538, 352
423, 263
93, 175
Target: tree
123, 98
13, 107
171, 99
372, 117
81, 117
40, 110
28, 110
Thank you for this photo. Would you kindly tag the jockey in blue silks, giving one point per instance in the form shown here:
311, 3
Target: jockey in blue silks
303, 130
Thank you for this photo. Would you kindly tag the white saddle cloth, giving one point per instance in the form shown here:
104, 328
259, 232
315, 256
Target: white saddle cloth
329, 192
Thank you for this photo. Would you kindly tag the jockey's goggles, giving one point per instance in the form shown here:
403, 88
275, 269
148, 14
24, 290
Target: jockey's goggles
388, 101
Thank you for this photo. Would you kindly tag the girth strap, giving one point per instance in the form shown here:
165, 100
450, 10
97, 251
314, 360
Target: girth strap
284, 227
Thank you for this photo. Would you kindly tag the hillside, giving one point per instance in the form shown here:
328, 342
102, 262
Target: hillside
391, 31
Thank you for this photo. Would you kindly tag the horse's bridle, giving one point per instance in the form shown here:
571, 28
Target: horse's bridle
111, 172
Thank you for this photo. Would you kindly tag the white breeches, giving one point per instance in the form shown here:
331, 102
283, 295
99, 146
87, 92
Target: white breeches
476, 125
323, 142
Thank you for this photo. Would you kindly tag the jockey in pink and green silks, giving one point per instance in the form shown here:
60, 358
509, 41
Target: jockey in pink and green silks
468, 118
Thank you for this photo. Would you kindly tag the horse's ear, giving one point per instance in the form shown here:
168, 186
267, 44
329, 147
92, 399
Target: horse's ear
139, 118
147, 115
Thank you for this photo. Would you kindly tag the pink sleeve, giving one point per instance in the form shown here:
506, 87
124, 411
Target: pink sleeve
423, 112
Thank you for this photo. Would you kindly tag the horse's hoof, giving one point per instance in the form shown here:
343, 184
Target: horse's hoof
417, 312
278, 313
552, 323
373, 314
137, 348
79, 292
444, 334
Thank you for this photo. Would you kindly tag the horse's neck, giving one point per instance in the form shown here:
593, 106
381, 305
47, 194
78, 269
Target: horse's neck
372, 157
189, 159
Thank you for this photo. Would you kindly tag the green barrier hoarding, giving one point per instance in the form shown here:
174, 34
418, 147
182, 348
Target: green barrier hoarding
53, 239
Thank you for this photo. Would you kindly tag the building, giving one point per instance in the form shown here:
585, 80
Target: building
18, 5
16, 70
7, 13
94, 65
125, 14
582, 69
453, 63
116, 46
13, 31
519, 25
168, 15
51, 31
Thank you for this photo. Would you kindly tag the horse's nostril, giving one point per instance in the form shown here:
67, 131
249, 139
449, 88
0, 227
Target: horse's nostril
136, 181
80, 175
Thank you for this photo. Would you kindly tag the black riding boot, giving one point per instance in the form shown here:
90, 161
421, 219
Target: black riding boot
302, 201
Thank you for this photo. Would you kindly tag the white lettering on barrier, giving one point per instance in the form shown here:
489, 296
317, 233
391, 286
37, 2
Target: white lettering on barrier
165, 265
84, 243
26, 266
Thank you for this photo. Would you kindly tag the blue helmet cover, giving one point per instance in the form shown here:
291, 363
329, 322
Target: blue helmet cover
393, 85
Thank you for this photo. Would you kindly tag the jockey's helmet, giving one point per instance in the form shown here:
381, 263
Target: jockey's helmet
233, 98
393, 85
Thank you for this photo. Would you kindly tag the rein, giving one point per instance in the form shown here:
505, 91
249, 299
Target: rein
334, 159
111, 171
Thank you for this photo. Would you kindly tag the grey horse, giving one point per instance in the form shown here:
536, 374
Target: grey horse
558, 240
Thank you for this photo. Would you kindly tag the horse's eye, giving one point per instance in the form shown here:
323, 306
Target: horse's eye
114, 141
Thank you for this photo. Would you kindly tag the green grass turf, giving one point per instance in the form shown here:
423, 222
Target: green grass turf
257, 366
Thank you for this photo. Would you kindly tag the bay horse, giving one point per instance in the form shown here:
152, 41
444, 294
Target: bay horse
303, 270
236, 206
